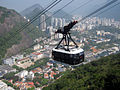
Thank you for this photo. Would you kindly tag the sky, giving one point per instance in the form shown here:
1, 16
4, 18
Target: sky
20, 5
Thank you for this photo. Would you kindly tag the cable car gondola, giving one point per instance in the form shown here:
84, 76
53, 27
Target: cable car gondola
65, 53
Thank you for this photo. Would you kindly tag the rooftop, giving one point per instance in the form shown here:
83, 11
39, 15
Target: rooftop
5, 67
72, 50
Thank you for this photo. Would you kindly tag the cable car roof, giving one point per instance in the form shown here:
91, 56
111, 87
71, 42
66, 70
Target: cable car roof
71, 50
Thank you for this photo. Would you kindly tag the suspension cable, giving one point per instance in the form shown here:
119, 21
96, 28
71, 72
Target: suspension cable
107, 9
99, 9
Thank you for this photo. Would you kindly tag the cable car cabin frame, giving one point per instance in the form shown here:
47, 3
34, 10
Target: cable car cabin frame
65, 53
72, 57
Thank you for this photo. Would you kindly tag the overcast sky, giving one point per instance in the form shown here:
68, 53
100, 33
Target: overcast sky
20, 5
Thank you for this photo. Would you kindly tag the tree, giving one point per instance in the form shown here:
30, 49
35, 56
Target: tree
9, 76
32, 60
17, 68
32, 88
103, 74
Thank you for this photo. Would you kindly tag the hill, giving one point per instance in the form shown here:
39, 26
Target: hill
33, 10
103, 74
12, 40
63, 14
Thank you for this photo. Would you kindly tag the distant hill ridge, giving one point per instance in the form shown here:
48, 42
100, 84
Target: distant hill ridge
30, 9
34, 9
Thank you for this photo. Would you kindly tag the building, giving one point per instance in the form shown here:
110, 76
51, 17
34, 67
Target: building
56, 22
50, 30
52, 21
60, 22
17, 57
37, 55
23, 60
37, 70
42, 23
10, 88
61, 69
25, 74
30, 75
22, 74
63, 22
36, 47
46, 75
49, 64
9, 61
3, 86
6, 69
52, 74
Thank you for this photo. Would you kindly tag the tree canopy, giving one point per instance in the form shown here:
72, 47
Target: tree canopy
103, 74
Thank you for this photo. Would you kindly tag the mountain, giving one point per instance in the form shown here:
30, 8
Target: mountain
12, 38
103, 74
31, 11
11, 41
63, 14
35, 9
8, 19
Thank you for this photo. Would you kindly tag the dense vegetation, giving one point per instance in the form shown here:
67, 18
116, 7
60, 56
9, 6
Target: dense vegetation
6, 41
10, 76
103, 74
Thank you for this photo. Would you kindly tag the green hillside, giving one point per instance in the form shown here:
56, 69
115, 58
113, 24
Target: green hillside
10, 33
103, 74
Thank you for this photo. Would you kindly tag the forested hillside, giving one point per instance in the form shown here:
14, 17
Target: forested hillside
103, 74
12, 38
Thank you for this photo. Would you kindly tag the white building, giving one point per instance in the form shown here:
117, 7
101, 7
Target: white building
10, 88
9, 61
56, 22
63, 22
6, 69
52, 21
60, 23
36, 47
30, 75
42, 23
3, 86
50, 29
18, 57
22, 74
